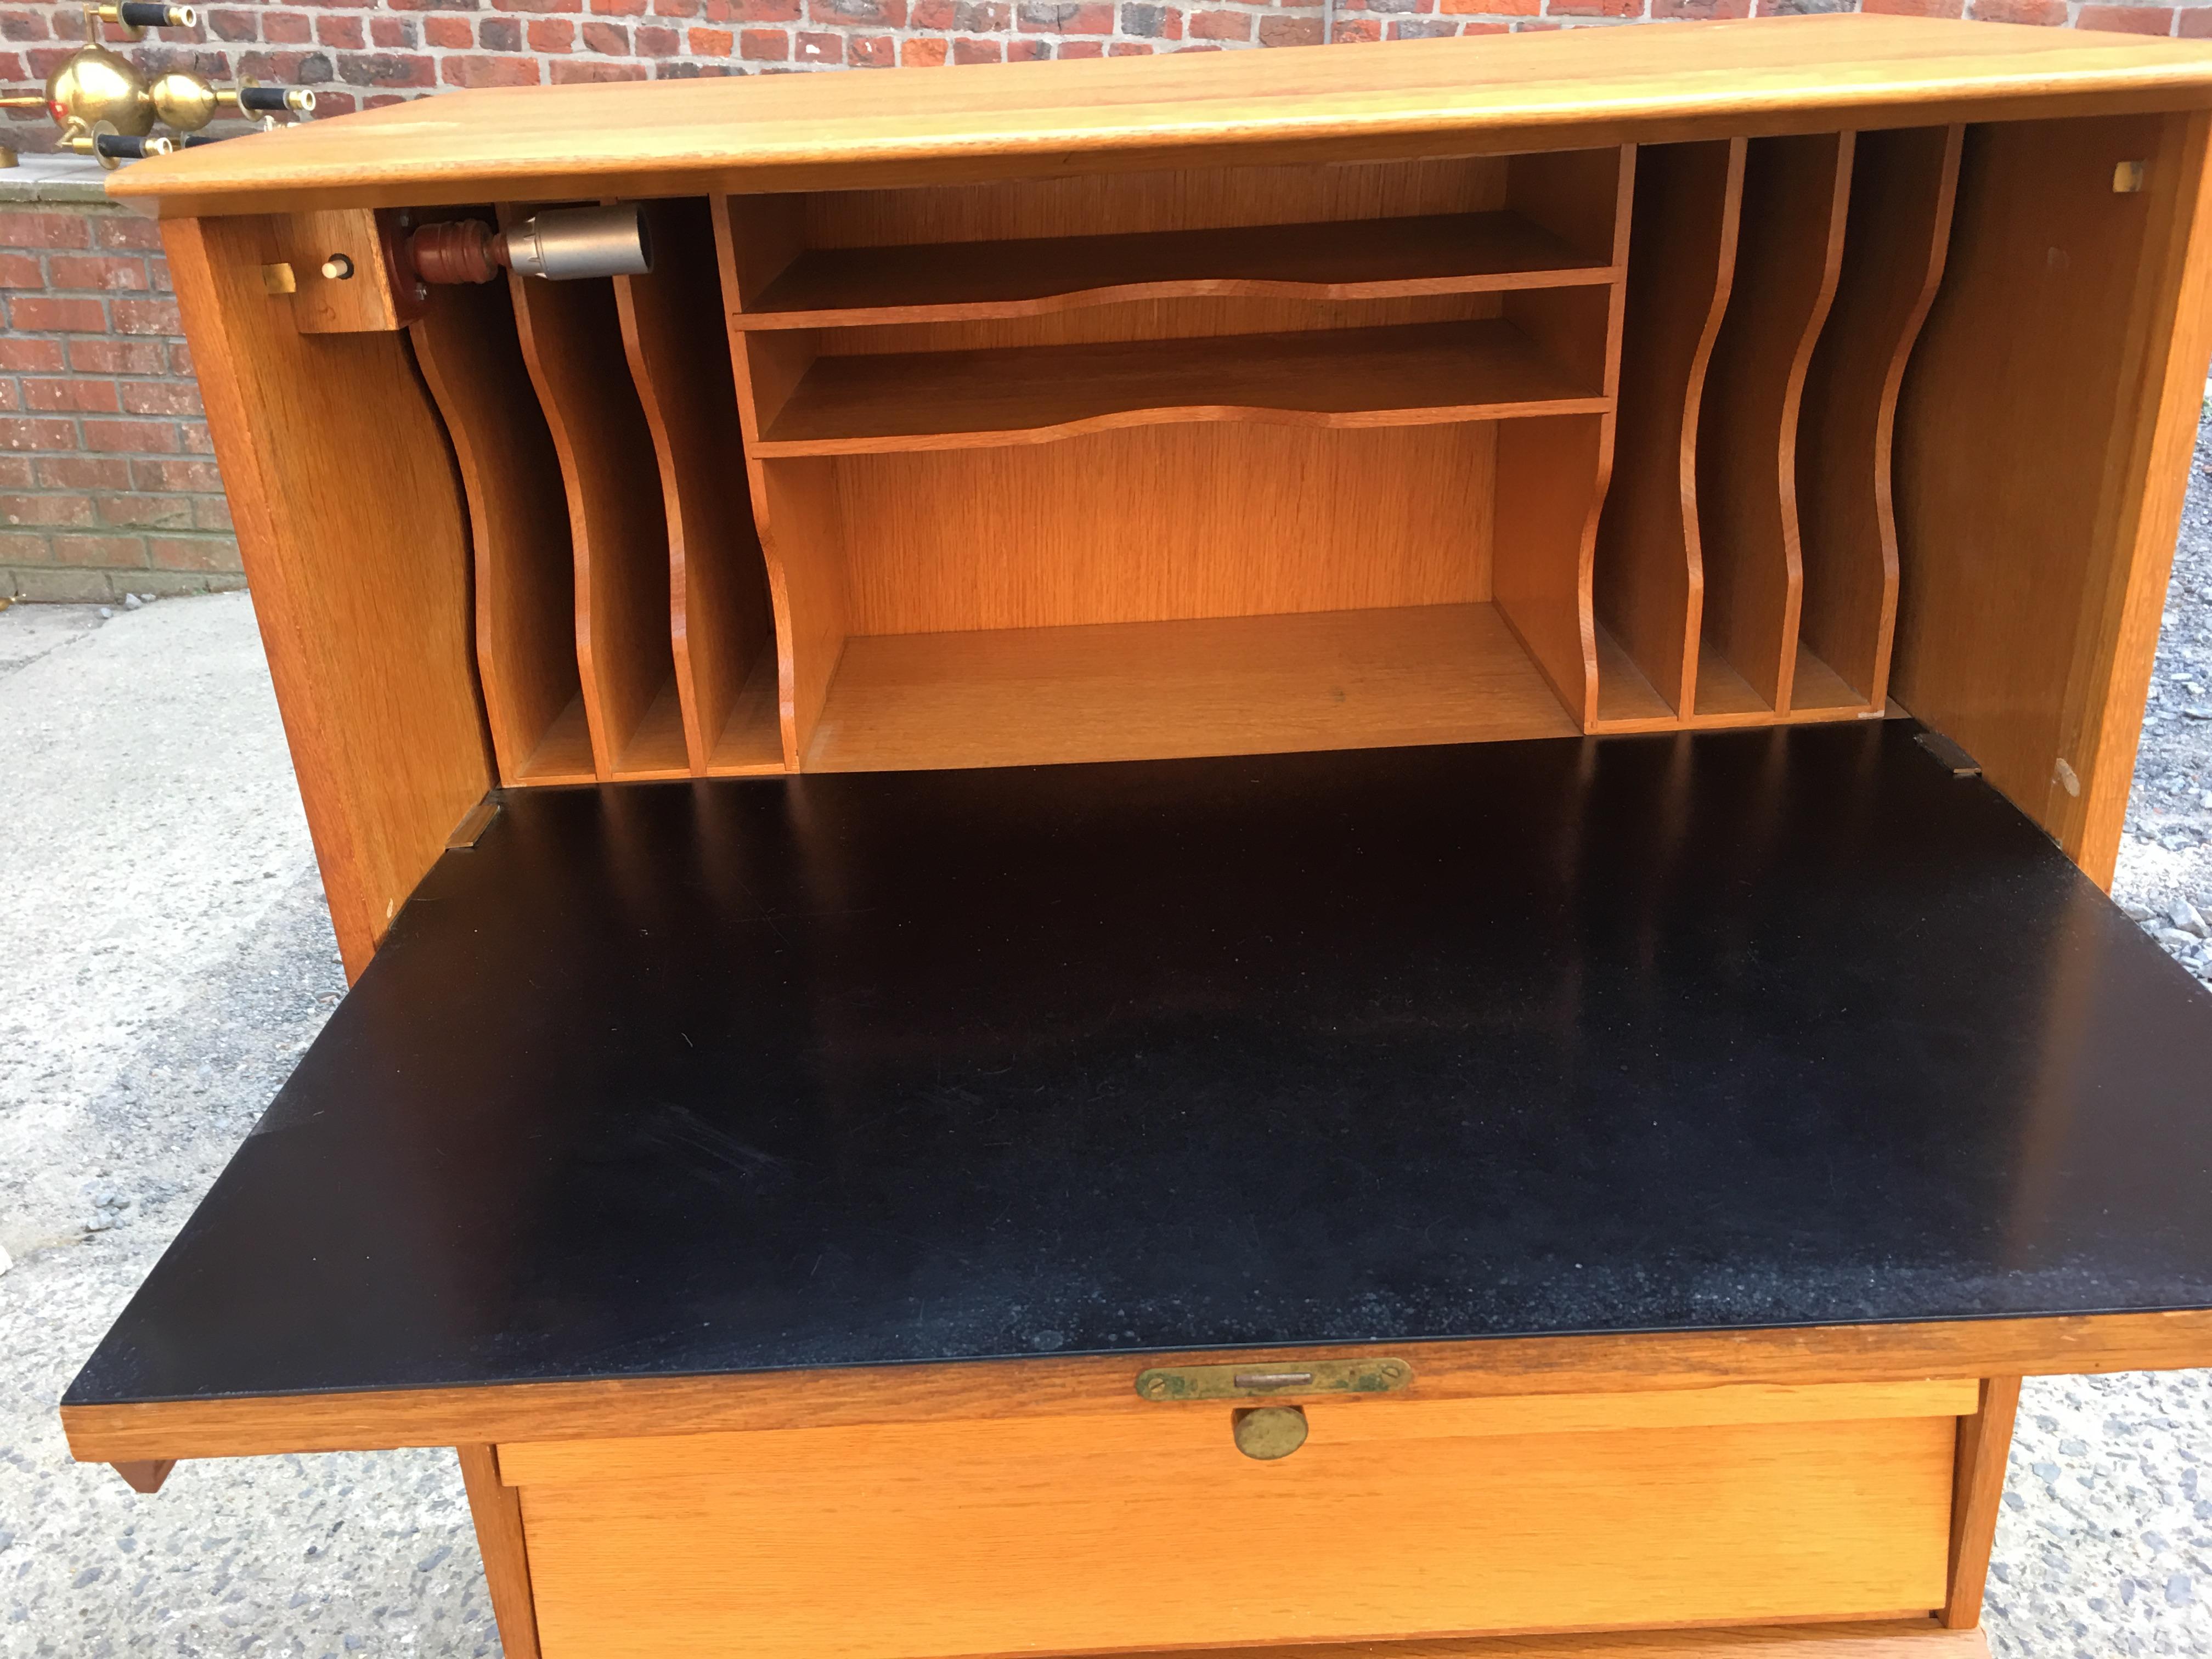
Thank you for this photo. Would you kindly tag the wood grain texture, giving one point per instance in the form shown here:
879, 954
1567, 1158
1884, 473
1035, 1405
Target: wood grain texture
363, 303
497, 1513
1551, 483
1381, 258
1903, 186
1043, 1537
146, 1476
1493, 94
1106, 1386
1245, 685
1158, 524
526, 582
719, 617
351, 526
2110, 680
1409, 374
1897, 1638
1199, 1426
1200, 197
1649, 578
1788, 249
1977, 1489
572, 340
2033, 560
796, 513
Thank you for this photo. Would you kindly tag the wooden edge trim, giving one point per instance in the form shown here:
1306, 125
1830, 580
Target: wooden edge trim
259, 1425
1856, 1638
145, 1474
496, 1509
2027, 95
1977, 1486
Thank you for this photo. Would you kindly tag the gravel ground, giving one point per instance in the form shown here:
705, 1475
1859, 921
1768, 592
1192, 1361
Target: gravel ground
165, 954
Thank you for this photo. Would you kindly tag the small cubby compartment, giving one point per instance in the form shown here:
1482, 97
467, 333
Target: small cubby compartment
1180, 590
1433, 361
1378, 230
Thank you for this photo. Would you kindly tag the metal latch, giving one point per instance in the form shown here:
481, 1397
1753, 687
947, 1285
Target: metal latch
1260, 1381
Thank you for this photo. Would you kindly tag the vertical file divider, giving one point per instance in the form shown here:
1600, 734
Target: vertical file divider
572, 341
1903, 185
724, 644
472, 359
1649, 582
1552, 472
795, 501
1788, 249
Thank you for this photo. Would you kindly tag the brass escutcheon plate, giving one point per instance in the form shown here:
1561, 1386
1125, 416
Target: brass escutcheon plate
1288, 1376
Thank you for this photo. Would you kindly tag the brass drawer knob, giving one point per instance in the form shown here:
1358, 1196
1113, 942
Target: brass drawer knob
1269, 1431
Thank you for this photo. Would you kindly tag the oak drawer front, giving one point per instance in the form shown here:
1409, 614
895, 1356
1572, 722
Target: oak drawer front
1149, 1529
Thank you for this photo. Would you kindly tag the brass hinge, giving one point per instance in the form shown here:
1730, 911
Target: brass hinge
1260, 1381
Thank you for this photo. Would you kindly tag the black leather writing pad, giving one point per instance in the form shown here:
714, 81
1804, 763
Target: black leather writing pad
1635, 1034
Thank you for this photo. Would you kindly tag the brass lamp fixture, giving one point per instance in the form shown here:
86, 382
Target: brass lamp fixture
106, 108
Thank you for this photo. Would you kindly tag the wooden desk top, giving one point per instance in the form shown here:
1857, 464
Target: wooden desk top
1495, 94
1521, 1039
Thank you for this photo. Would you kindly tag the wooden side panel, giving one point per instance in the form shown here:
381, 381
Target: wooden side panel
2043, 443
796, 512
1796, 191
896, 1543
472, 359
361, 301
351, 526
718, 583
802, 529
1903, 183
1550, 483
1978, 1488
496, 1509
572, 339
1649, 581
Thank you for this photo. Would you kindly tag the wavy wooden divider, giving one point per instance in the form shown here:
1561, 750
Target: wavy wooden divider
1904, 184
472, 359
1552, 474
1649, 582
795, 508
572, 340
1789, 251
718, 613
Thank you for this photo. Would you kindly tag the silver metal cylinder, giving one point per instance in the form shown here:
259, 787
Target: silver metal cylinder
572, 242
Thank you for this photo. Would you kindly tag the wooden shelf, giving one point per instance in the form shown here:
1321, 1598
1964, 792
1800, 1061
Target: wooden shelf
1331, 679
1408, 375
1372, 259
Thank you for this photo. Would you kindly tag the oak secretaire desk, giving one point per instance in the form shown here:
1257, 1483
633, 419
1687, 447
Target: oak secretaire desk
1383, 923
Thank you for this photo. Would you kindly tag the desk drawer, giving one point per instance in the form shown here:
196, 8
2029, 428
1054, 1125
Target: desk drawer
1146, 1527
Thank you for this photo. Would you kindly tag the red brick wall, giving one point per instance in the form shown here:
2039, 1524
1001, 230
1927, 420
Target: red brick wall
107, 486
